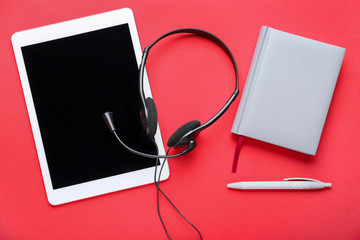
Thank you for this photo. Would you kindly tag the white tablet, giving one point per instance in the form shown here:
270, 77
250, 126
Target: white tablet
71, 73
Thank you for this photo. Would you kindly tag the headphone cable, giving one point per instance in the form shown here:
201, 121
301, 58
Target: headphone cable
157, 184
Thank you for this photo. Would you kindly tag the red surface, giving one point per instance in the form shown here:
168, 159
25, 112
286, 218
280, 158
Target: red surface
191, 80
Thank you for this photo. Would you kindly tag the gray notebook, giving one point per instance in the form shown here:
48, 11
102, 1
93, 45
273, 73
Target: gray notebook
288, 90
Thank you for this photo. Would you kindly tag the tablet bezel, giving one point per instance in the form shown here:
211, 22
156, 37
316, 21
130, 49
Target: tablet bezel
66, 29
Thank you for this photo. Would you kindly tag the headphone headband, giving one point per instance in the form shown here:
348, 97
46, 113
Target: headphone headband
214, 39
185, 135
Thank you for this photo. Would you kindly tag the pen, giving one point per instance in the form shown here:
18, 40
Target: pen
288, 183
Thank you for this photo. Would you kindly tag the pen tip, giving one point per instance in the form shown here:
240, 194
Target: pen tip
327, 184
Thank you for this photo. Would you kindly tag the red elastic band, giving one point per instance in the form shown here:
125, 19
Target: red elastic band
237, 153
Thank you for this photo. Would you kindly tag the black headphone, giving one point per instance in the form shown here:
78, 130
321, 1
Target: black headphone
185, 135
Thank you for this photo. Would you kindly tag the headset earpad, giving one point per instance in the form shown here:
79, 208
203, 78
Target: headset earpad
181, 131
152, 119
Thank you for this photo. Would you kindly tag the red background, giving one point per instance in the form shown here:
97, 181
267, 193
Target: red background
191, 80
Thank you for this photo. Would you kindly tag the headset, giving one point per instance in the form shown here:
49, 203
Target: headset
184, 136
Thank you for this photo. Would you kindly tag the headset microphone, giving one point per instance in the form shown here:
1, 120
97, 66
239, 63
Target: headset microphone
108, 118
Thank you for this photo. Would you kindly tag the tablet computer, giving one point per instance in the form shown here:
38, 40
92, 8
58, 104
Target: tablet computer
71, 73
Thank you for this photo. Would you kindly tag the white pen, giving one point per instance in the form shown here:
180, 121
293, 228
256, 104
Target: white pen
288, 183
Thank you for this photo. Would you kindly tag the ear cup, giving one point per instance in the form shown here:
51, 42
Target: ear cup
182, 131
152, 119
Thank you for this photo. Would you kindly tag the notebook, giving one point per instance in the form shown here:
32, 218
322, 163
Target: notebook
288, 90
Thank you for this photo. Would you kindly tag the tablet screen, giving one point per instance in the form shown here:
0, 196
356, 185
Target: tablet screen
73, 80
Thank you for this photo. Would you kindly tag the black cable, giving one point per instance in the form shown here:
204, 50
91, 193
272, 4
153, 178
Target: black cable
174, 205
157, 184
157, 195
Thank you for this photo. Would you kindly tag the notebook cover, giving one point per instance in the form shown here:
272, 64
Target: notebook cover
288, 90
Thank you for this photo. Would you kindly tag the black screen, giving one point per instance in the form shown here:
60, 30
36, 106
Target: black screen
74, 80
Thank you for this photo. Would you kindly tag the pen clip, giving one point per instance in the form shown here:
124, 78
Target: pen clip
301, 179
